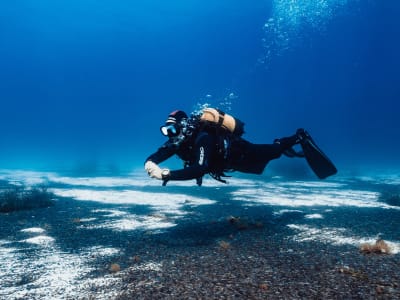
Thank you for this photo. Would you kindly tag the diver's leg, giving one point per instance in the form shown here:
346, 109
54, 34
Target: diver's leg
288, 143
254, 158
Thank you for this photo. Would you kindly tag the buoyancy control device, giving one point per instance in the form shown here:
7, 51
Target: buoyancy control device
222, 121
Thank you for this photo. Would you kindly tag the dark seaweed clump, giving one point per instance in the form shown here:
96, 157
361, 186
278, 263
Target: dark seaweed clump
390, 198
22, 198
390, 194
394, 200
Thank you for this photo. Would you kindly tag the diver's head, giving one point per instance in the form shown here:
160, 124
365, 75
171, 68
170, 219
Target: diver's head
175, 125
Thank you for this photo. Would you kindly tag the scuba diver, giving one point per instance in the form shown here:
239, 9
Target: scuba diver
210, 142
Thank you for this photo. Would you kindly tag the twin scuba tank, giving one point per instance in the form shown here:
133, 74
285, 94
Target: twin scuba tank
221, 122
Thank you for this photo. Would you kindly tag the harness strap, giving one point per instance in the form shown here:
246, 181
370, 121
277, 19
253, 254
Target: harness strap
221, 118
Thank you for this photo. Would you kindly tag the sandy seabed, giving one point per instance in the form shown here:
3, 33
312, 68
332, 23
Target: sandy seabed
119, 238
265, 265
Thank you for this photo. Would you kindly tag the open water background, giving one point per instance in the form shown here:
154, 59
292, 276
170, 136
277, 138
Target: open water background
85, 85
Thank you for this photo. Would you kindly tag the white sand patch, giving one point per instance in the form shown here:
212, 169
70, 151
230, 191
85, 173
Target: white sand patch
110, 212
98, 181
387, 178
335, 236
286, 211
299, 196
42, 240
136, 179
159, 201
4, 249
394, 247
33, 230
29, 178
124, 221
313, 184
150, 266
314, 216
84, 220
54, 274
4, 242
101, 251
133, 222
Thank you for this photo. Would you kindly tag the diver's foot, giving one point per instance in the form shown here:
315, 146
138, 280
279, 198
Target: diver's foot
293, 153
301, 134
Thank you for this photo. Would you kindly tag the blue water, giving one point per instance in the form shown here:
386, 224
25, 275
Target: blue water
85, 84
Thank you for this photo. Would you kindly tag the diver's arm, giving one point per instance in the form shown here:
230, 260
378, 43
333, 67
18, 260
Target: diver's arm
203, 150
162, 154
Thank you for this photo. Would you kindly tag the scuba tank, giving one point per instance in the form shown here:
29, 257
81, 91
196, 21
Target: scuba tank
216, 122
222, 121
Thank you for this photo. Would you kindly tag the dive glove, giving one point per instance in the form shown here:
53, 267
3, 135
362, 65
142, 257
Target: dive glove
155, 171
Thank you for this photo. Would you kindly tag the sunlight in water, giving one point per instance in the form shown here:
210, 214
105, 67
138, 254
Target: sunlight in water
292, 20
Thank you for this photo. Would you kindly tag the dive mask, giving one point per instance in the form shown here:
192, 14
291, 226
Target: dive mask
170, 130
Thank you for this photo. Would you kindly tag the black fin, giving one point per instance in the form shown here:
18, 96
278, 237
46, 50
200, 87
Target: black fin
316, 158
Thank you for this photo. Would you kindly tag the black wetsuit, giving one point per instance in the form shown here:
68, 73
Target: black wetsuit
206, 153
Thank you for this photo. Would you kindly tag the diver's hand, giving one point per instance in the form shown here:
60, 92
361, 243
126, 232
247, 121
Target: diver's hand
155, 171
